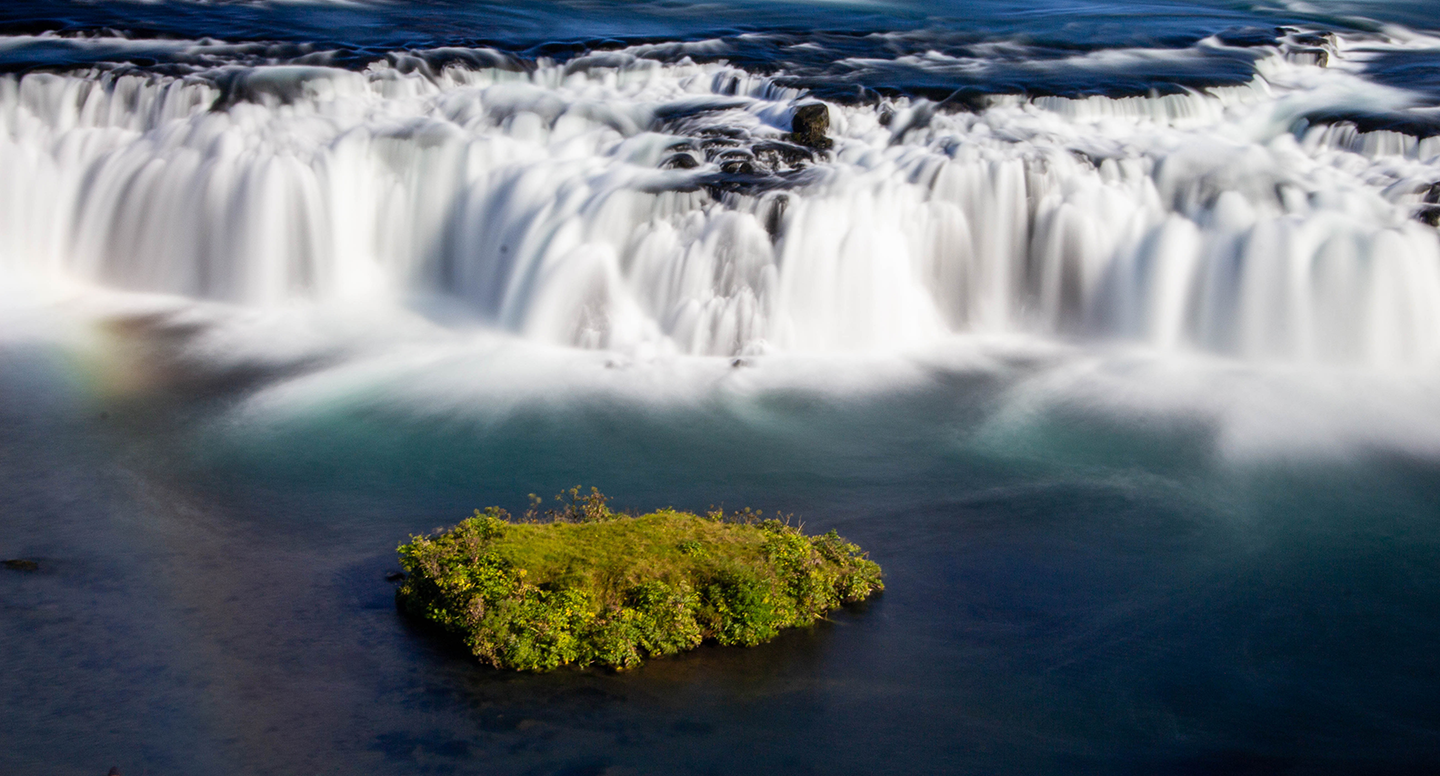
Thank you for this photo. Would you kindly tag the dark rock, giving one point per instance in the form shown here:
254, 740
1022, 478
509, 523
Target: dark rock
809, 125
719, 145
1308, 56
1433, 195
720, 133
732, 160
774, 215
20, 564
776, 154
967, 98
1430, 214
680, 162
395, 576
115, 771
738, 167
1417, 125
1318, 39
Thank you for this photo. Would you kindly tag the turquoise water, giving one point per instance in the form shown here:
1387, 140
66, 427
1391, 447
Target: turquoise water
1068, 588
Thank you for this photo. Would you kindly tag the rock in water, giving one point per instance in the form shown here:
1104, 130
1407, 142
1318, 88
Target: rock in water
597, 588
680, 161
20, 564
810, 124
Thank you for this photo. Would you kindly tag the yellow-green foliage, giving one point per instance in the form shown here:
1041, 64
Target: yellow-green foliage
594, 587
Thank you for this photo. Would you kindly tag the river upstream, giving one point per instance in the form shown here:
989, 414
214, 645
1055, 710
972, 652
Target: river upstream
1110, 329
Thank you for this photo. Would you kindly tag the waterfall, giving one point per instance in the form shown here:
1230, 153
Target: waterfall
618, 202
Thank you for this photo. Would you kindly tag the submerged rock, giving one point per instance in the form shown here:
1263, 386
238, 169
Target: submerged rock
810, 124
732, 159
681, 161
1320, 39
591, 587
20, 564
1308, 56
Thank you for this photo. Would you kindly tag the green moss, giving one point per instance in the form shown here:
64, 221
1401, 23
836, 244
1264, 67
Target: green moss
591, 587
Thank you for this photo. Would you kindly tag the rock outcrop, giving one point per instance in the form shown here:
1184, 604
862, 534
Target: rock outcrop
810, 124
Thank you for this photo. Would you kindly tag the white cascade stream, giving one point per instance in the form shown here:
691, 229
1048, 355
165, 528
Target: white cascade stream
540, 201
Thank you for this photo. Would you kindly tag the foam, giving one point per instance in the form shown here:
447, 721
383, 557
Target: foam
538, 199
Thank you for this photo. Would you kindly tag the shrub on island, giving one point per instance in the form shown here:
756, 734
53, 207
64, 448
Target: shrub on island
588, 586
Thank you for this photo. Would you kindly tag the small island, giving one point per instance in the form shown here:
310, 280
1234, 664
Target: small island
585, 586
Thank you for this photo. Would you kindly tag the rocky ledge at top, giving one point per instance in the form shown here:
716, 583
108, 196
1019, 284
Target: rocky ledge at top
743, 161
1429, 212
809, 126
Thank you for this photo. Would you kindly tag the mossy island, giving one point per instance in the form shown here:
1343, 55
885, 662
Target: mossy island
585, 586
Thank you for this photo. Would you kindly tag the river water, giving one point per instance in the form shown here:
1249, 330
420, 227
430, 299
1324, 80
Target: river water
1111, 330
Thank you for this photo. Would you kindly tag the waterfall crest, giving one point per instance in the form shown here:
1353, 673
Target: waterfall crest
619, 202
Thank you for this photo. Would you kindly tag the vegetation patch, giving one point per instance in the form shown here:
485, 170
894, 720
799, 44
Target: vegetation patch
583, 586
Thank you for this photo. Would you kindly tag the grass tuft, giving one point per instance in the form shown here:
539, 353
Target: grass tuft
583, 585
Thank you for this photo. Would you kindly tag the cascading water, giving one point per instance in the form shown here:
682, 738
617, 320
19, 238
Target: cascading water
618, 202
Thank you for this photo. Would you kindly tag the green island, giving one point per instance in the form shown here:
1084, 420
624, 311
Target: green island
583, 585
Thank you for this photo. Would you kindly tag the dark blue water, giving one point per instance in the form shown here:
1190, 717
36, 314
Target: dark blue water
1073, 592
851, 51
1070, 589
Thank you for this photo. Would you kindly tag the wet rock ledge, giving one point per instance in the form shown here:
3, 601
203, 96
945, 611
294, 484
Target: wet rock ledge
586, 586
809, 126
